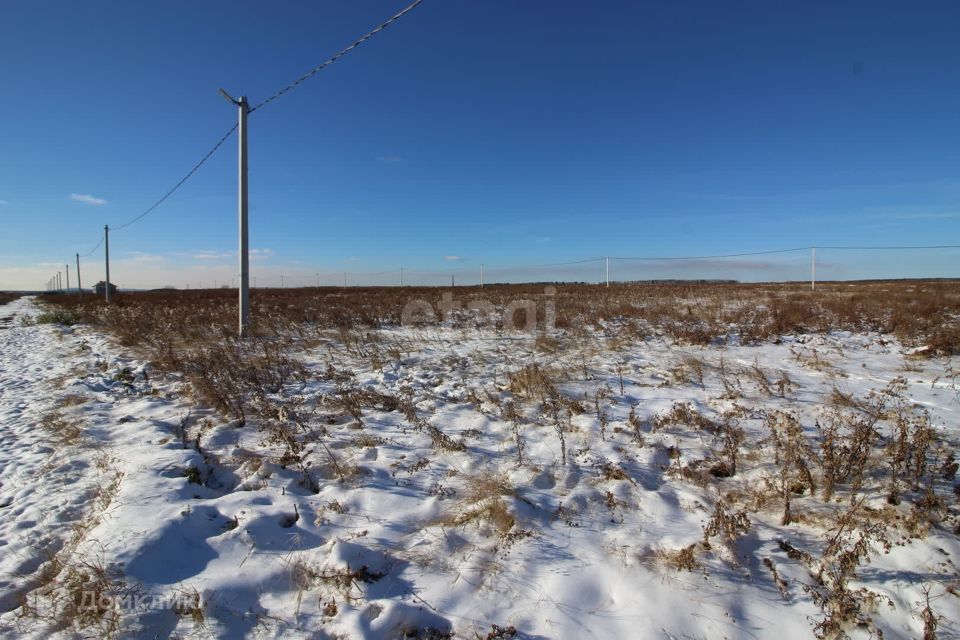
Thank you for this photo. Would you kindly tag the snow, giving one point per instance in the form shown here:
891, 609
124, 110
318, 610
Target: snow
402, 545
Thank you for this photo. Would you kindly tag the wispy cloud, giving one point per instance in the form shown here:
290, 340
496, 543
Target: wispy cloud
946, 215
141, 256
86, 198
452, 258
389, 159
212, 255
3, 203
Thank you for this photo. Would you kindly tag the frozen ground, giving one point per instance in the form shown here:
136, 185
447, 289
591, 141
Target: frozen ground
410, 514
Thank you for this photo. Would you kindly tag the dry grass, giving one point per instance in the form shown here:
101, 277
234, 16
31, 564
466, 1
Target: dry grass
683, 559
60, 430
74, 588
532, 382
919, 312
483, 503
878, 447
7, 297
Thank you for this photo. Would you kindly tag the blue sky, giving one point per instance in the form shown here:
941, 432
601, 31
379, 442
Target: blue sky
495, 132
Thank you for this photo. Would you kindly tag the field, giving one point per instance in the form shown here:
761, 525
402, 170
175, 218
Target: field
6, 297
644, 461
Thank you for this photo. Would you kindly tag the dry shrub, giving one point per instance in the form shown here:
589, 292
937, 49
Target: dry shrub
683, 559
63, 432
792, 453
188, 604
920, 313
848, 545
725, 525
532, 382
483, 501
682, 413
482, 486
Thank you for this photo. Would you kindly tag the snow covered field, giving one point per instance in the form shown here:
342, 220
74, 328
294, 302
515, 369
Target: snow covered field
439, 482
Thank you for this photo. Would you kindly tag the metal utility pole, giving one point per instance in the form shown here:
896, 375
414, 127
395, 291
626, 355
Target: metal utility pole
244, 109
481, 275
813, 268
79, 286
106, 257
68, 278
608, 273
59, 282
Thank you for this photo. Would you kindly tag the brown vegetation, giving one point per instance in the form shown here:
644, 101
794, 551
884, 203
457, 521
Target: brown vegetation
923, 312
6, 296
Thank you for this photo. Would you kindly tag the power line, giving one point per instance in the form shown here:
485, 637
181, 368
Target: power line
226, 135
338, 55
728, 255
932, 246
548, 264
293, 84
84, 255
180, 183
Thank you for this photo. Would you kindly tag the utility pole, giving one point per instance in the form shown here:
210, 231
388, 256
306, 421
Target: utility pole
68, 278
481, 275
401, 276
79, 286
281, 282
813, 268
244, 109
344, 279
59, 281
106, 257
608, 273
318, 279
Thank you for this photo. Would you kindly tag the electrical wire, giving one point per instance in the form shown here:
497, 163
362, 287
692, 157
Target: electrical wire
223, 138
182, 180
84, 255
932, 246
493, 267
728, 255
323, 65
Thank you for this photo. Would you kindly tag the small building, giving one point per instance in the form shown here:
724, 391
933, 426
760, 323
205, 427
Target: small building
101, 288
